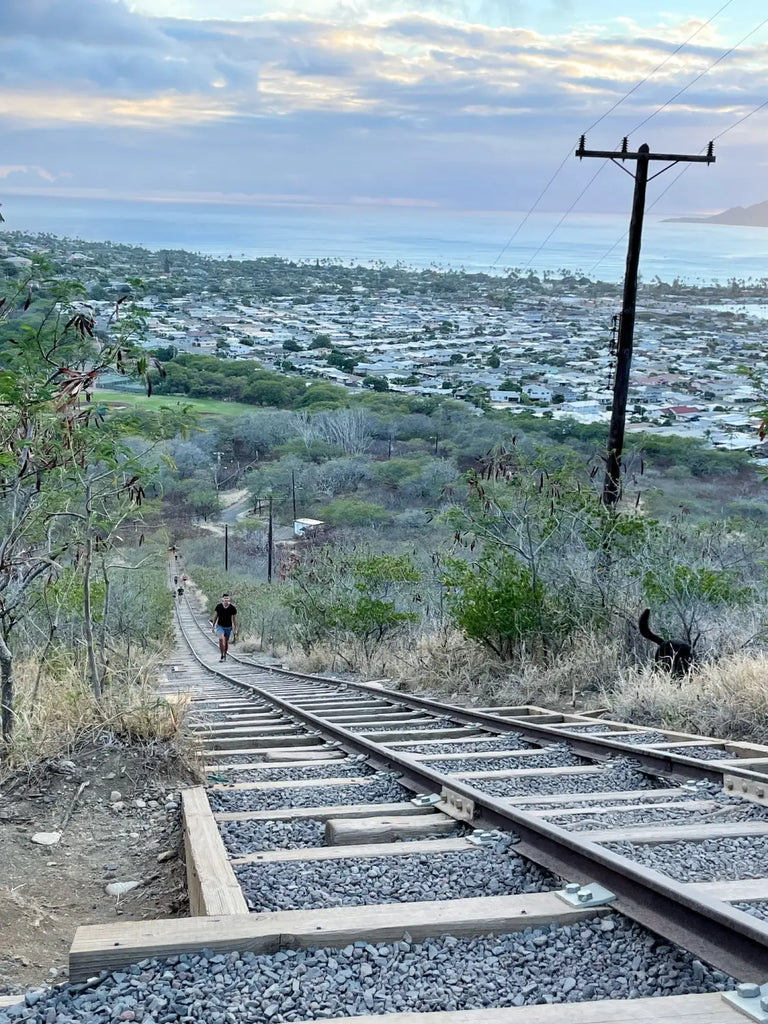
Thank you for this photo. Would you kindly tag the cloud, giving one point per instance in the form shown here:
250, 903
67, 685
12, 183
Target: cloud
102, 47
447, 101
34, 172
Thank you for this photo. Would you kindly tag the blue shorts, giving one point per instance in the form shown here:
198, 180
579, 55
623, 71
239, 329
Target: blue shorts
224, 631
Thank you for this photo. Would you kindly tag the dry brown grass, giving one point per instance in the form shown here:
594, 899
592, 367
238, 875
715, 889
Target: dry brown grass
445, 663
726, 698
59, 712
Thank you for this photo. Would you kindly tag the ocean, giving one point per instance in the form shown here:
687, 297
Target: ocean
591, 244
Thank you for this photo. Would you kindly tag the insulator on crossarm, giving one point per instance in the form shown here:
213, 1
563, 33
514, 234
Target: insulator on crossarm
582, 146
711, 151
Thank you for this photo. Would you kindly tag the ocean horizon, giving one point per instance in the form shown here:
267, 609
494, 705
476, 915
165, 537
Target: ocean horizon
418, 237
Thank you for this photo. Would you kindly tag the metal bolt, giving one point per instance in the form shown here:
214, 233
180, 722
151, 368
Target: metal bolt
760, 792
745, 787
748, 990
584, 895
764, 1003
729, 784
572, 888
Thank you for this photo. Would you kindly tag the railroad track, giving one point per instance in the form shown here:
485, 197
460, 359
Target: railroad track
360, 843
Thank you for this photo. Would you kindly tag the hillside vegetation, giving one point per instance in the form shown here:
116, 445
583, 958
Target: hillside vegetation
460, 547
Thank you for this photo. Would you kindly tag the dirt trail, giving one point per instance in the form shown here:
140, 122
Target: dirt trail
46, 892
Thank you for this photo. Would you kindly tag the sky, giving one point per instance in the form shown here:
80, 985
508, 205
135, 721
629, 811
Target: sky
443, 104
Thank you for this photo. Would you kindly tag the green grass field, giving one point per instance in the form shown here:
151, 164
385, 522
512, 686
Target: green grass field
203, 406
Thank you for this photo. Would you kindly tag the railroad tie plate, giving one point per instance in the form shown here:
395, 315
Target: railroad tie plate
592, 895
426, 800
484, 837
751, 1000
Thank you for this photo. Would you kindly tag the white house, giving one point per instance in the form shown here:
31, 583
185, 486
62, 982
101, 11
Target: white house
537, 392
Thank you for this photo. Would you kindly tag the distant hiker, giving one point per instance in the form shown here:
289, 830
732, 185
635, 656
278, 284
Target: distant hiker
224, 622
180, 592
674, 656
175, 581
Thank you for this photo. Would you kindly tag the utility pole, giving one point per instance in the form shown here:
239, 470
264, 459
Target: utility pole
293, 492
226, 547
269, 543
626, 334
218, 467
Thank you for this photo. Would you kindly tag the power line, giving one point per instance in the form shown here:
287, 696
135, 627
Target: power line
741, 120
567, 214
719, 135
602, 117
698, 77
658, 67
526, 218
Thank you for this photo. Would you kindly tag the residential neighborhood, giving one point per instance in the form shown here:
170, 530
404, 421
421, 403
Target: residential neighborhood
514, 342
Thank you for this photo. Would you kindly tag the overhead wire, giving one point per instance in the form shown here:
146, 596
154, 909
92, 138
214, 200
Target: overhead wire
662, 107
698, 77
595, 123
678, 176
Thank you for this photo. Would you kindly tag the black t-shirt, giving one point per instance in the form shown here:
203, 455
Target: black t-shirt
225, 615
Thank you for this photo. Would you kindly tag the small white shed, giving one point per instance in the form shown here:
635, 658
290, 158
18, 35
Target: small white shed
302, 526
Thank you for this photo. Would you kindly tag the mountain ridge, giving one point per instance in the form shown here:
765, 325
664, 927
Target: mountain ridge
755, 216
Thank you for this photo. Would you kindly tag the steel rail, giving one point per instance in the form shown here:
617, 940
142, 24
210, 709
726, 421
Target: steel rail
727, 938
600, 748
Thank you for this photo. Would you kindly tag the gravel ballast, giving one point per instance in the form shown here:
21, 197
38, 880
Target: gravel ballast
713, 860
351, 767
617, 775
607, 958
398, 727
639, 738
509, 741
758, 910
257, 759
726, 809
701, 753
491, 871
649, 797
242, 837
380, 790
553, 757
584, 730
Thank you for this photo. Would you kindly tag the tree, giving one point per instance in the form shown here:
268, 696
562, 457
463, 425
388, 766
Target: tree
497, 602
291, 345
356, 596
376, 383
493, 361
56, 445
341, 360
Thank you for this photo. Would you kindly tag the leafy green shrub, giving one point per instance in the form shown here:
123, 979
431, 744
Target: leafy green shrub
353, 512
497, 602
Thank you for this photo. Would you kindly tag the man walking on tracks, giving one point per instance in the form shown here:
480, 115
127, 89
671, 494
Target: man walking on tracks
224, 622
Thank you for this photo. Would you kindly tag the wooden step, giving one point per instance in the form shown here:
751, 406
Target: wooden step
122, 943
325, 812
321, 853
692, 1009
